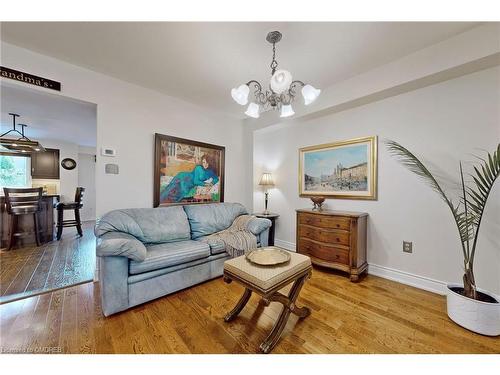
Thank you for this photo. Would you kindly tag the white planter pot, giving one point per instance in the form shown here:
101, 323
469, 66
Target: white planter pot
477, 316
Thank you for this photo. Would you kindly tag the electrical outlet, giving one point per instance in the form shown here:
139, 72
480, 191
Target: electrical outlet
407, 247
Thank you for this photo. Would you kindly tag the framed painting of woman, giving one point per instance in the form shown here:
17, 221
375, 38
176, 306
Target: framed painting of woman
187, 172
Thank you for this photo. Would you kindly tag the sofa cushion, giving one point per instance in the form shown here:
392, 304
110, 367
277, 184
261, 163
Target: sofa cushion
206, 219
148, 225
169, 254
216, 246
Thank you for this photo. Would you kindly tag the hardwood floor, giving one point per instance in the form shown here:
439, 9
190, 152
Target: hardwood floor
57, 264
374, 316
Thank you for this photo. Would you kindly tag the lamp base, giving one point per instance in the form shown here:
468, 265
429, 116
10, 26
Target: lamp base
266, 211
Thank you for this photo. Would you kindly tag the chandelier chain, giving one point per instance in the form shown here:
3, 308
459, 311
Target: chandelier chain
274, 63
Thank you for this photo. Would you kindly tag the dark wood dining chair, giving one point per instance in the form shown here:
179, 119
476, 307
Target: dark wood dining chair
23, 201
75, 206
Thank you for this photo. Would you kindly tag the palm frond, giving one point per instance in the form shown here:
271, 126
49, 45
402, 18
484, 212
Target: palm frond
410, 161
484, 179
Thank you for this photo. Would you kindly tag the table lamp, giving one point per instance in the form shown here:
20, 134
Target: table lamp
267, 181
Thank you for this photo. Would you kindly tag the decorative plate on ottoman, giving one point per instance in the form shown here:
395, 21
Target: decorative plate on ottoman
268, 256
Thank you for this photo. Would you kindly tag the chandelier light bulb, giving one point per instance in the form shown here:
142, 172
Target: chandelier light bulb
287, 111
310, 94
240, 94
253, 110
280, 81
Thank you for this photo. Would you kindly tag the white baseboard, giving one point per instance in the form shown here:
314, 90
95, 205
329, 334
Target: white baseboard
285, 244
402, 277
407, 278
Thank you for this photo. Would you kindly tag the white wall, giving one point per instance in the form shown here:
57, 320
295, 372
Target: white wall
127, 118
443, 123
86, 179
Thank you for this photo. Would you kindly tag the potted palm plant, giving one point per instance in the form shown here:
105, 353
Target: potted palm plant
467, 305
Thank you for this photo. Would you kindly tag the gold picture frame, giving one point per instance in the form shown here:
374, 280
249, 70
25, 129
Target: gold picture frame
344, 170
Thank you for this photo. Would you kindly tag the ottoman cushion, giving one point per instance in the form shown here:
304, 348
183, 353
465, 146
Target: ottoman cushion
266, 277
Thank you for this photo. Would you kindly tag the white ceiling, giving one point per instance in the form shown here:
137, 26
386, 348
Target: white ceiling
201, 62
49, 116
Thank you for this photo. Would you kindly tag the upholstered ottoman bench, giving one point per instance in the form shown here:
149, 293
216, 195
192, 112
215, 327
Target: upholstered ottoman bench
267, 281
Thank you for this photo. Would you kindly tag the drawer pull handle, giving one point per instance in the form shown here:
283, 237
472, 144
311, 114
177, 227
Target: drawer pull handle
337, 256
338, 239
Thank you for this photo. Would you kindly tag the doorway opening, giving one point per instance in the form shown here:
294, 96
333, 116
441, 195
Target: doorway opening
65, 172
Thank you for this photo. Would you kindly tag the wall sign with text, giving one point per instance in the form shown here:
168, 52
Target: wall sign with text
29, 78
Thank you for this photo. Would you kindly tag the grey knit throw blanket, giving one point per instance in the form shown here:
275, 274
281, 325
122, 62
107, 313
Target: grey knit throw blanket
237, 238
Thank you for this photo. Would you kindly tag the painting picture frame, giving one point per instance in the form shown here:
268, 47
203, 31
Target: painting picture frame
343, 170
187, 172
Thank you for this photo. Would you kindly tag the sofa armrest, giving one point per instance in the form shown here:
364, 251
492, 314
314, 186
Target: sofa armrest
120, 244
264, 238
113, 279
258, 225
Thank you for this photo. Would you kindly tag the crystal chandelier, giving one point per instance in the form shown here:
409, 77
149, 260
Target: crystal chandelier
282, 89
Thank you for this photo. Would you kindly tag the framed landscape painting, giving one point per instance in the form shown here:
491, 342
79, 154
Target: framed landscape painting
345, 169
187, 172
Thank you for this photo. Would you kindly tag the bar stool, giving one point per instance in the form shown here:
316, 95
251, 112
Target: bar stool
76, 205
24, 202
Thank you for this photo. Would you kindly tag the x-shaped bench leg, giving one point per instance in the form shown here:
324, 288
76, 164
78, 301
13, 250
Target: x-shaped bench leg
239, 306
289, 306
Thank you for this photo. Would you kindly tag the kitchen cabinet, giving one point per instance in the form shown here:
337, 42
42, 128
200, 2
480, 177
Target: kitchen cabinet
45, 164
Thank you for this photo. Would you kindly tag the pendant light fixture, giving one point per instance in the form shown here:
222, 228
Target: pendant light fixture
282, 89
21, 144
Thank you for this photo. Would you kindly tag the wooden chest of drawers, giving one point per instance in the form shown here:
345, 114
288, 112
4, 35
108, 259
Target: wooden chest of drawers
334, 239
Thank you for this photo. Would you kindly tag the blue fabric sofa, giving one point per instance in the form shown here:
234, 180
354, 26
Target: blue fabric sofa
146, 253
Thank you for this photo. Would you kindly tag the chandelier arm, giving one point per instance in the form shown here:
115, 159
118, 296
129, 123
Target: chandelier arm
293, 86
272, 98
257, 85
260, 97
286, 98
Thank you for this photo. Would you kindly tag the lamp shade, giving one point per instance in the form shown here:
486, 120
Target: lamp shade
310, 94
266, 179
253, 110
240, 94
287, 111
280, 81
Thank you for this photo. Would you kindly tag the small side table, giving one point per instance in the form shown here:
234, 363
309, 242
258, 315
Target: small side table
273, 218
